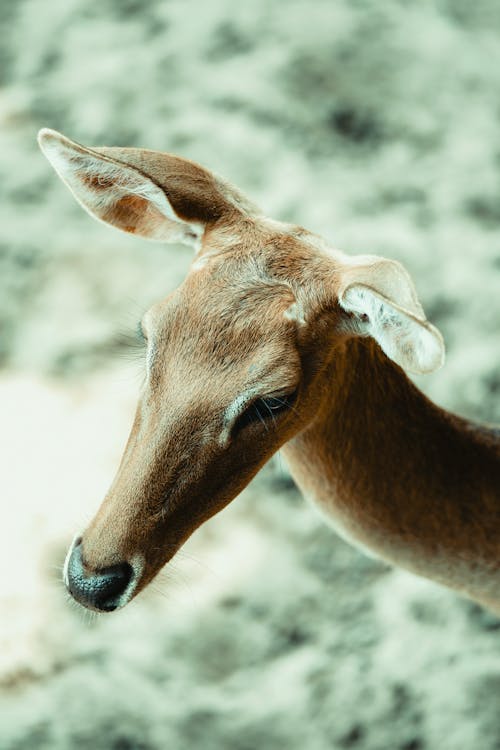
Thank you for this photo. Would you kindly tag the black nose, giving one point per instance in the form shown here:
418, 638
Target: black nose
100, 589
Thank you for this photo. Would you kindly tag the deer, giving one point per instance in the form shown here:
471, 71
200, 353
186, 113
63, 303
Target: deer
277, 340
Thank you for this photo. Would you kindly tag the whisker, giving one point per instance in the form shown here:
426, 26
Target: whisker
261, 418
172, 577
280, 463
187, 556
282, 402
269, 409
192, 558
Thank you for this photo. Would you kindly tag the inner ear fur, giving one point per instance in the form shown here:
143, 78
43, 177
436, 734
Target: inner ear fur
149, 193
381, 295
387, 278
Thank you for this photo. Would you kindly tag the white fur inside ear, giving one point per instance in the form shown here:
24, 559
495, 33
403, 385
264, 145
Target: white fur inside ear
98, 184
413, 344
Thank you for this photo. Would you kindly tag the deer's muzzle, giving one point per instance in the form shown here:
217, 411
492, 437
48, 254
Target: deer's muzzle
104, 589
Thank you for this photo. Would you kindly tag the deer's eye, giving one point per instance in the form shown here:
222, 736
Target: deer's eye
266, 410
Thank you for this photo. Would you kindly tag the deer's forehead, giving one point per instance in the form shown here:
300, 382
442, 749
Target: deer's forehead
216, 331
196, 356
223, 302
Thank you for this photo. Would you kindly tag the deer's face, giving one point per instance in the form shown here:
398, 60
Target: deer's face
234, 358
225, 385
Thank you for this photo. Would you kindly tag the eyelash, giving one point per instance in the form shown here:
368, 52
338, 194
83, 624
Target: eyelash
140, 332
264, 408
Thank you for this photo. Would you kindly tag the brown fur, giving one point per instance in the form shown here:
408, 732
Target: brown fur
261, 307
191, 190
415, 484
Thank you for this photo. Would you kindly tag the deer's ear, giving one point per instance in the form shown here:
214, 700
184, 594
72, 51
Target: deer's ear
382, 299
151, 194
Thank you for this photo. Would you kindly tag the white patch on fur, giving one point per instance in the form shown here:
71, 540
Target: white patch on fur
295, 313
67, 558
150, 352
233, 412
199, 263
137, 565
414, 344
150, 348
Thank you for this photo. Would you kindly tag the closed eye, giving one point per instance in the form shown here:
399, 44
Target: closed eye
266, 409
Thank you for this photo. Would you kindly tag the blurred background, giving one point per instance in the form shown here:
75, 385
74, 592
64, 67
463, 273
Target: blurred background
376, 124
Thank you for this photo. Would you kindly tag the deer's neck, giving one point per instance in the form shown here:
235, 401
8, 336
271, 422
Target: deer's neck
395, 473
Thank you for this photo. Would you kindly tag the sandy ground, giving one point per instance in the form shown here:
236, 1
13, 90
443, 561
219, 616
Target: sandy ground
373, 123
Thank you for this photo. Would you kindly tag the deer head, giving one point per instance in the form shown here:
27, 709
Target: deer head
235, 358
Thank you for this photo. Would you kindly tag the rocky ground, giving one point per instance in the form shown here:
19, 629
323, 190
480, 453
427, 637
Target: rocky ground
376, 124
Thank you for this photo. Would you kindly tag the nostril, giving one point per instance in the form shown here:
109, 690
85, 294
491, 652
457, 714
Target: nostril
100, 589
109, 584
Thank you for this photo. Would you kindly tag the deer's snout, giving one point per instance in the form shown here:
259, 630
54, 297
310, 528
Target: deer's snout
103, 589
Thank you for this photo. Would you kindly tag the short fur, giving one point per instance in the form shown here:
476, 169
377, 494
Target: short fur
268, 308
